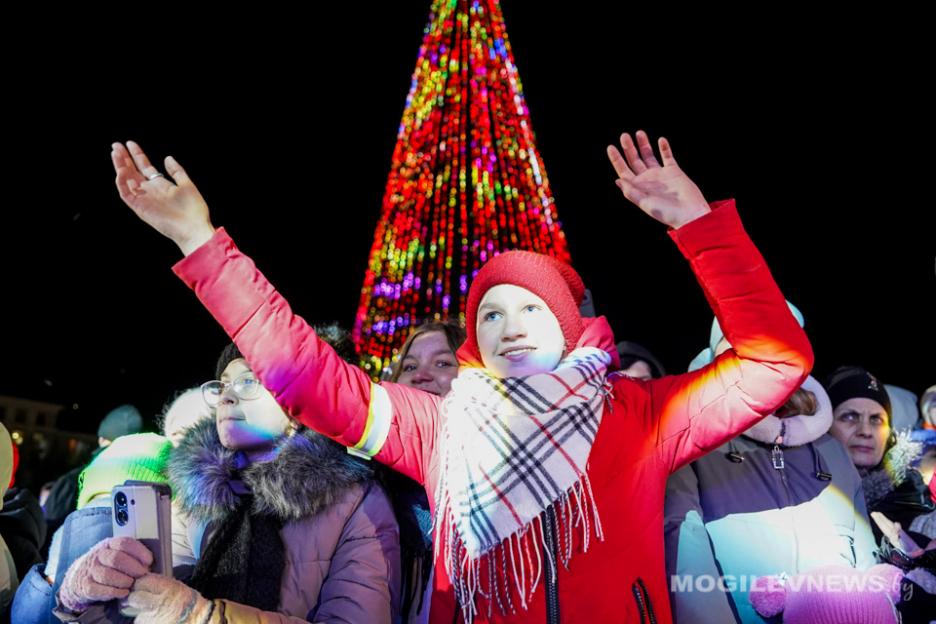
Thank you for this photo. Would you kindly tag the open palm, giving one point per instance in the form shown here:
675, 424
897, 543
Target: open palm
664, 191
174, 207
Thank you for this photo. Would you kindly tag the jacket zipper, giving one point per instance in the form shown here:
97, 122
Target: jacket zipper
638, 597
552, 573
552, 578
644, 607
651, 616
776, 457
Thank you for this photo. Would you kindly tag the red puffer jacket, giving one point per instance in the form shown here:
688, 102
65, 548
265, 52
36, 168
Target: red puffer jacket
650, 429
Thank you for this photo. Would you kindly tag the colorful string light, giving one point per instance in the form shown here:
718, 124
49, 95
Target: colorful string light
466, 181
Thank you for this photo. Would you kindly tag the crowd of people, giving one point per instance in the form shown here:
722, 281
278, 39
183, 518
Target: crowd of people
523, 467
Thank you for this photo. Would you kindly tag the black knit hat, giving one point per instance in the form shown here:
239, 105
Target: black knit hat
230, 353
850, 382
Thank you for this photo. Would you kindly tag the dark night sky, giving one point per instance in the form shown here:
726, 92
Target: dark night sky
820, 132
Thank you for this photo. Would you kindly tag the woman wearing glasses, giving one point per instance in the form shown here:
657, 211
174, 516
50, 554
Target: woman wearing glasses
283, 522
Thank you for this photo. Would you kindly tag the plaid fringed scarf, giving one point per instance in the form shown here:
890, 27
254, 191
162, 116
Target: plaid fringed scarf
511, 449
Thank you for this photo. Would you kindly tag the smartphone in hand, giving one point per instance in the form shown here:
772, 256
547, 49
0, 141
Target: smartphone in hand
142, 510
896, 535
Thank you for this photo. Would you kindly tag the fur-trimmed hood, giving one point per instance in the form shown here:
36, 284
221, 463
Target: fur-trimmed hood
309, 474
800, 429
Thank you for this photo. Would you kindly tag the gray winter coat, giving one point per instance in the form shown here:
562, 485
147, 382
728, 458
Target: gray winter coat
737, 520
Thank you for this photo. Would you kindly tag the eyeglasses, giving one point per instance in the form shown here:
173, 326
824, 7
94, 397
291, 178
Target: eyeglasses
245, 387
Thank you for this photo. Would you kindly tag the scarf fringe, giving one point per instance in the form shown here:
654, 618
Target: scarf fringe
574, 511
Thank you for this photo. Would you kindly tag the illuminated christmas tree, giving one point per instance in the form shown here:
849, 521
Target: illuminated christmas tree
466, 181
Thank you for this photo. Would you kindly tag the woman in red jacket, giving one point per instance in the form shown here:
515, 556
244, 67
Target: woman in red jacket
546, 470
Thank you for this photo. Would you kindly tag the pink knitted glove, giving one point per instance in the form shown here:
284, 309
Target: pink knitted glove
831, 595
156, 599
104, 573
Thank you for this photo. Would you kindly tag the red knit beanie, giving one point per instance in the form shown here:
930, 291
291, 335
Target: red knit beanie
553, 281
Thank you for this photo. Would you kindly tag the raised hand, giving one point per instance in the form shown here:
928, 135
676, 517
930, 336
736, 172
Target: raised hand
664, 191
173, 207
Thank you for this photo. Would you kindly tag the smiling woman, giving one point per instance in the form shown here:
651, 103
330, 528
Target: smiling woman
427, 359
518, 335
523, 314
426, 362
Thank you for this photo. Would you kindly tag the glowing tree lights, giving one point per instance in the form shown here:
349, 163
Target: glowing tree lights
466, 181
